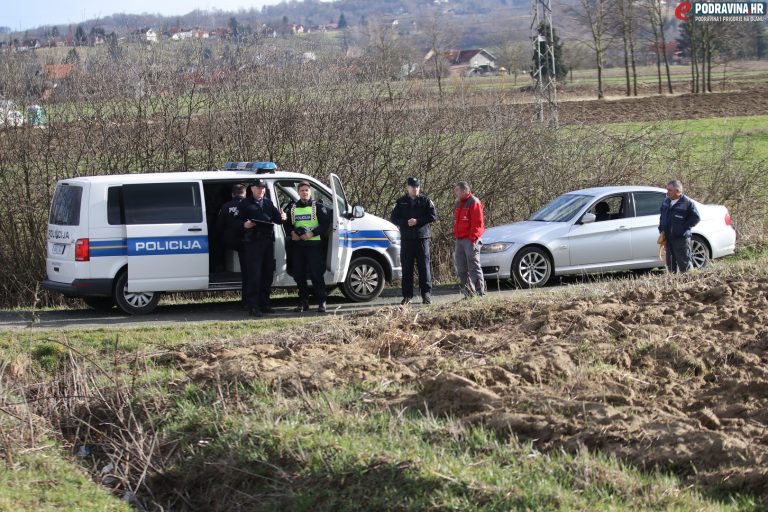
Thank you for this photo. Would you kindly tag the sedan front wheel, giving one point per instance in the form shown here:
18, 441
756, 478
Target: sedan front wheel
531, 267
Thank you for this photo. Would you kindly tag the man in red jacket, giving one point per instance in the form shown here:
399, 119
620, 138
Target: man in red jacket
468, 227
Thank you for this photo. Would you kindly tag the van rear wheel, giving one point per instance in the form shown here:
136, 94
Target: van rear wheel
133, 303
364, 281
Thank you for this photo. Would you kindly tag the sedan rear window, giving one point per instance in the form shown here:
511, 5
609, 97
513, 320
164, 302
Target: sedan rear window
65, 210
648, 203
562, 209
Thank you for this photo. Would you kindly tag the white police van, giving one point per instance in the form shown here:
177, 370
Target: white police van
125, 239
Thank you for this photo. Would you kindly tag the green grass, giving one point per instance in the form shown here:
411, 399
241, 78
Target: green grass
335, 452
704, 136
46, 480
46, 348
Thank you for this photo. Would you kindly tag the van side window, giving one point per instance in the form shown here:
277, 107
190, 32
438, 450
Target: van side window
115, 211
65, 210
287, 192
162, 203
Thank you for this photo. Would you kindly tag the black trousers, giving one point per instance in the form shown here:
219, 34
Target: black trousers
679, 255
308, 256
243, 272
415, 251
259, 267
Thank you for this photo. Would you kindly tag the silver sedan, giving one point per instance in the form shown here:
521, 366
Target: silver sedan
593, 231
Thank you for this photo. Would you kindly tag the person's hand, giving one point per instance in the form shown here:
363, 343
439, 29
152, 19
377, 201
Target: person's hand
248, 224
307, 235
412, 222
294, 236
283, 216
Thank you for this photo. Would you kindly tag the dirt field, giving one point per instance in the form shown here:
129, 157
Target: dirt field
663, 377
578, 106
746, 101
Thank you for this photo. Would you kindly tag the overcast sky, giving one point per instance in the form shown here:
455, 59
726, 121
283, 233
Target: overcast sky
21, 15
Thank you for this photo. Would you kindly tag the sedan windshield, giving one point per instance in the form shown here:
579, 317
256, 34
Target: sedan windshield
561, 209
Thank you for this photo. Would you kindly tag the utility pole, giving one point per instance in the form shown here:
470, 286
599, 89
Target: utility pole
544, 72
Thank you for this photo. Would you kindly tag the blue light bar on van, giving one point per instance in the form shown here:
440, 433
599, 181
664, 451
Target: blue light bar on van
259, 167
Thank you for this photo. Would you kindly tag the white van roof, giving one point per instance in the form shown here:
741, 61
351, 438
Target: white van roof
162, 177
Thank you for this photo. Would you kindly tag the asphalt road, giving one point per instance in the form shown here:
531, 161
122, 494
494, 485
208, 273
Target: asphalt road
205, 311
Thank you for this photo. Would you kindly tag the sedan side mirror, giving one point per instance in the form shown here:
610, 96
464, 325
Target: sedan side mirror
588, 218
358, 212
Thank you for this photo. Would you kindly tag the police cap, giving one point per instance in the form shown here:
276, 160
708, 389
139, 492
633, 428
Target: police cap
414, 182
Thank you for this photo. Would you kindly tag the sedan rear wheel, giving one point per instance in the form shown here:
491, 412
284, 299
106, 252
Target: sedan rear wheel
531, 267
700, 256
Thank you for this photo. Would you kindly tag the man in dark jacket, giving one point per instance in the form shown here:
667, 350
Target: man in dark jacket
230, 229
413, 213
309, 221
678, 216
258, 215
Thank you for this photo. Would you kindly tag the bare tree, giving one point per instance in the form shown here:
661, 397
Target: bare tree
656, 12
626, 26
513, 55
593, 16
440, 40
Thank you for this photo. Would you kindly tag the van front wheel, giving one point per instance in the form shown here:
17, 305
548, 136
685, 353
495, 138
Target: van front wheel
133, 303
364, 281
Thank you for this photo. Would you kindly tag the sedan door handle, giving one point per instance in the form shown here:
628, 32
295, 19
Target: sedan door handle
622, 228
195, 229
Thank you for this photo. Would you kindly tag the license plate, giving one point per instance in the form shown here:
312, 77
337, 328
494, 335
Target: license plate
58, 249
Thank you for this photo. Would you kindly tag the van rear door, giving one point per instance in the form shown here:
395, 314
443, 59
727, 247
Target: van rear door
341, 249
167, 236
67, 227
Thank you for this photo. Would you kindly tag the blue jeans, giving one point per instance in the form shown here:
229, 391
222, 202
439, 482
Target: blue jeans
679, 255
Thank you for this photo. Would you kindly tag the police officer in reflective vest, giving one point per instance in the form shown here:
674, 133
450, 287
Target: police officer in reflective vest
259, 215
310, 220
230, 229
413, 213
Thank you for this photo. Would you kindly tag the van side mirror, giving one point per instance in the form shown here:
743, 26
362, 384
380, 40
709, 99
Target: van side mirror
588, 218
358, 212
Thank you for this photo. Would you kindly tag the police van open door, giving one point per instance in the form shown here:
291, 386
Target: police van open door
167, 236
341, 249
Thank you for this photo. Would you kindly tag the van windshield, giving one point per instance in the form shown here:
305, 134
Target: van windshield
65, 210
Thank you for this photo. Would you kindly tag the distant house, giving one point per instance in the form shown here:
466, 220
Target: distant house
151, 36
298, 29
196, 33
222, 32
474, 62
29, 44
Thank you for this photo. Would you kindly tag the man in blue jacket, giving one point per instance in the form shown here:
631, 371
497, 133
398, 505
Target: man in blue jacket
678, 216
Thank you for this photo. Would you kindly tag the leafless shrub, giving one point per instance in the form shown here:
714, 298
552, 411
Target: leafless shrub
163, 108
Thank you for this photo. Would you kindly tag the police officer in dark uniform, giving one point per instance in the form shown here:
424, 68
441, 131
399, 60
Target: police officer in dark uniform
229, 226
258, 215
309, 220
413, 214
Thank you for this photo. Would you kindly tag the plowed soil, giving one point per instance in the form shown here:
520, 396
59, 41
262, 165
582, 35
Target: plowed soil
663, 376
